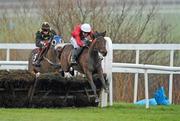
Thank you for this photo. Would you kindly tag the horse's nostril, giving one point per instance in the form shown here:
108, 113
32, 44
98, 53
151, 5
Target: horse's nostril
105, 53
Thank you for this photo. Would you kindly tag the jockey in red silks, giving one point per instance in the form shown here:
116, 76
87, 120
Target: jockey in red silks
81, 36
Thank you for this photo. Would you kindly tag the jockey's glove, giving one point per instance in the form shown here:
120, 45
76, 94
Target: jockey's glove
44, 44
86, 42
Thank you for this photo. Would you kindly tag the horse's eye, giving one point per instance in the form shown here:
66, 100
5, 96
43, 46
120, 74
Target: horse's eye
54, 42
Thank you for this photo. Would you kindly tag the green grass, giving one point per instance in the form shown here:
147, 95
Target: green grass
119, 112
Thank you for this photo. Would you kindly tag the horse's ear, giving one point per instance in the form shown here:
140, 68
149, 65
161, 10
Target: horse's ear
103, 33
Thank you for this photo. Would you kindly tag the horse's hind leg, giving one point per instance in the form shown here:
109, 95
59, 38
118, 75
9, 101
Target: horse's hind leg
90, 80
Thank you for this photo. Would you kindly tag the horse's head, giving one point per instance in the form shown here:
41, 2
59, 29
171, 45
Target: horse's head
100, 42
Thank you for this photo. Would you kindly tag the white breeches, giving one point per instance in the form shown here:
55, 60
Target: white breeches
74, 43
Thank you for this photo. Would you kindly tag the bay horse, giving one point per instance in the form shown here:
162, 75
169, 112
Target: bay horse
49, 61
89, 61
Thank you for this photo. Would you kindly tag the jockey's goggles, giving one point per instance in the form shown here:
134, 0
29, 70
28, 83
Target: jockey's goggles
85, 32
45, 30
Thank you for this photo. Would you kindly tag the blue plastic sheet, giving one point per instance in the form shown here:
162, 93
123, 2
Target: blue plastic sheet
152, 101
159, 98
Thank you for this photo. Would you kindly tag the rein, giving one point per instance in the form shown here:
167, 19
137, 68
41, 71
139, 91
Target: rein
49, 61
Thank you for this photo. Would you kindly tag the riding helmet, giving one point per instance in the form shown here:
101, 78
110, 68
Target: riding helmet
45, 26
85, 27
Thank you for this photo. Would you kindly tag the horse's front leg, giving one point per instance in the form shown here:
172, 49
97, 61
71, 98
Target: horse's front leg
91, 82
100, 73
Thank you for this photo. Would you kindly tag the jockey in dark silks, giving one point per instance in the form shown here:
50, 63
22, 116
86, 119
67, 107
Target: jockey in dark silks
42, 40
81, 36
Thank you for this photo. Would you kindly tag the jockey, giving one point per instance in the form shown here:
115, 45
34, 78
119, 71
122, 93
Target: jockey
81, 36
42, 40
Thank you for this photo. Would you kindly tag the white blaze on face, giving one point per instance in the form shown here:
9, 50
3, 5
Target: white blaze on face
59, 45
100, 55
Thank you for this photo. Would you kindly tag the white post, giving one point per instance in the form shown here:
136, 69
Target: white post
171, 76
170, 87
136, 78
108, 66
104, 96
7, 54
146, 88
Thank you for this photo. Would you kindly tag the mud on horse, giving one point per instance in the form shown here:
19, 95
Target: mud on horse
50, 62
89, 61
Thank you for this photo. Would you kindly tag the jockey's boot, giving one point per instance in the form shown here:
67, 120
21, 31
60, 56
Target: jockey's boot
79, 51
74, 56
